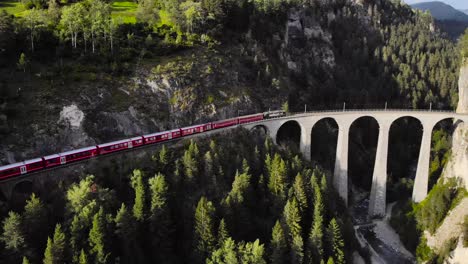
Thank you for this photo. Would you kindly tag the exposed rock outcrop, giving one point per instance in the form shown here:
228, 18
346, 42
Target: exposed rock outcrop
457, 167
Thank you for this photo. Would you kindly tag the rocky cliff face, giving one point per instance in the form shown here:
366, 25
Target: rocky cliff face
457, 166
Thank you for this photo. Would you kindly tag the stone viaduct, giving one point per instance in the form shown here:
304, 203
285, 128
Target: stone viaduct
385, 119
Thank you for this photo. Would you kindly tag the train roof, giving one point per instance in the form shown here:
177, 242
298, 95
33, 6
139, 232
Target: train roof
155, 134
77, 151
9, 166
33, 161
51, 156
135, 138
193, 126
113, 143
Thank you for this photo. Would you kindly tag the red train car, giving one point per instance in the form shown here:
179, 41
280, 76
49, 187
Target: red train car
192, 130
21, 168
53, 160
114, 146
137, 141
250, 118
175, 133
12, 170
156, 137
225, 123
79, 154
207, 126
34, 164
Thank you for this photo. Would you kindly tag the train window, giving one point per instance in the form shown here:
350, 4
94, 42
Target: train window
35, 165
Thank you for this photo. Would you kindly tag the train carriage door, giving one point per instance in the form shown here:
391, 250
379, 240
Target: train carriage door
23, 169
169, 136
130, 144
201, 129
63, 160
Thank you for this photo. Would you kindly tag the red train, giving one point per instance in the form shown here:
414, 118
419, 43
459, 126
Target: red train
54, 160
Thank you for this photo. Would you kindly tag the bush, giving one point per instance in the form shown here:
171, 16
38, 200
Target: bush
430, 212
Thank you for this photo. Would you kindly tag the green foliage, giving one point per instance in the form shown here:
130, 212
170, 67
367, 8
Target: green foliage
25, 260
465, 231
23, 62
423, 251
169, 230
433, 209
335, 241
59, 245
300, 192
34, 221
223, 233
292, 219
464, 45
97, 237
240, 187
13, 235
315, 242
278, 245
79, 195
245, 253
190, 161
204, 228
49, 254
139, 188
83, 258
277, 172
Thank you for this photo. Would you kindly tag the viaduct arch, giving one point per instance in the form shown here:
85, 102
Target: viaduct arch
384, 119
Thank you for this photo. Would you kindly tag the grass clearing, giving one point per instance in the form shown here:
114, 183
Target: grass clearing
125, 10
12, 7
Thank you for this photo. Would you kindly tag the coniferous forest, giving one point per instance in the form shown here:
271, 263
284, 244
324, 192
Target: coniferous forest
232, 198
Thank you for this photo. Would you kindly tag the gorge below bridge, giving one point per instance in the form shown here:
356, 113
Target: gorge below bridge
385, 119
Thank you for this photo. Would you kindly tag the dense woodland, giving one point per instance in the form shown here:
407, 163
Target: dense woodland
397, 56
216, 201
233, 198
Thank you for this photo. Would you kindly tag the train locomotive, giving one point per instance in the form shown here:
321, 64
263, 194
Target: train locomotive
54, 160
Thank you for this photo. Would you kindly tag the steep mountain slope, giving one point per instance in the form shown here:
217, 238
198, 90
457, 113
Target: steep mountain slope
320, 55
448, 19
442, 11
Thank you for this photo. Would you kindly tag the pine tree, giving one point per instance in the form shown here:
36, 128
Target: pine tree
239, 191
292, 218
300, 192
13, 235
125, 230
34, 221
97, 237
83, 258
278, 244
49, 254
227, 254
315, 243
59, 245
278, 176
335, 241
25, 260
330, 261
204, 238
160, 221
223, 233
163, 157
139, 187
251, 253
245, 166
